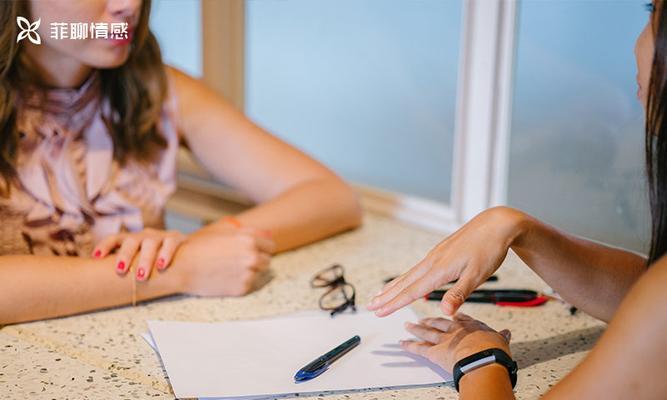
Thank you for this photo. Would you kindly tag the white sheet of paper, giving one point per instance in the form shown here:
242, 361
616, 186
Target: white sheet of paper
260, 357
149, 339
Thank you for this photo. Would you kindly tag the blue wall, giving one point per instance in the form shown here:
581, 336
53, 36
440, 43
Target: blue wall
576, 156
177, 25
367, 86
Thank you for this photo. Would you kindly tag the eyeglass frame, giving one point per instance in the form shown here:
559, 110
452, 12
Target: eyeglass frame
339, 283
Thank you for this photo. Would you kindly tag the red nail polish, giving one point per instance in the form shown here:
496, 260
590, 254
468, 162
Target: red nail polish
160, 263
97, 254
121, 266
140, 273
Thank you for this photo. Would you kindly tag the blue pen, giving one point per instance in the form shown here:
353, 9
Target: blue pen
322, 363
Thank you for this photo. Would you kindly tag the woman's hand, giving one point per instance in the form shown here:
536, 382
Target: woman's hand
445, 342
151, 247
471, 255
223, 262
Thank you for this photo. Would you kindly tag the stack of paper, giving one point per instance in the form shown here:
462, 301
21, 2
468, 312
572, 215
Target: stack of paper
260, 357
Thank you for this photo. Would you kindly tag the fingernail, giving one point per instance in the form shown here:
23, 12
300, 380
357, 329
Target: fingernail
121, 266
141, 273
98, 253
160, 263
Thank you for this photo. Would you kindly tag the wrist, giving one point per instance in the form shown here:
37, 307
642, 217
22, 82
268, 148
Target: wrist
517, 224
476, 367
494, 342
493, 376
176, 280
224, 224
176, 276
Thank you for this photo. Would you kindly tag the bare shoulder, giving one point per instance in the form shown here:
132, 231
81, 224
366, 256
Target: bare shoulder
654, 282
198, 106
184, 84
648, 295
195, 94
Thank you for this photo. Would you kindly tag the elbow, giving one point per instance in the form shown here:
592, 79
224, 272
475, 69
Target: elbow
8, 312
349, 206
6, 318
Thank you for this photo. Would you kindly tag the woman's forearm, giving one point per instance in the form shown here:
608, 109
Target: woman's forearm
306, 213
490, 382
40, 287
589, 275
300, 200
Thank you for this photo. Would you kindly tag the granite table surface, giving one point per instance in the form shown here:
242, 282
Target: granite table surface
102, 355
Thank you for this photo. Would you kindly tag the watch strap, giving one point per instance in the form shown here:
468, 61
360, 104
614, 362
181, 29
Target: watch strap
482, 358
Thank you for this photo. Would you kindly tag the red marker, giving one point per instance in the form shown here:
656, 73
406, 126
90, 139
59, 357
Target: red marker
500, 297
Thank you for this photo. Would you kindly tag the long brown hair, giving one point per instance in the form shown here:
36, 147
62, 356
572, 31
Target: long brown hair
656, 135
136, 92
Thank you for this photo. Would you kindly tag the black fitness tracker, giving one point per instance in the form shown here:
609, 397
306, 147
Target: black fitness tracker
485, 357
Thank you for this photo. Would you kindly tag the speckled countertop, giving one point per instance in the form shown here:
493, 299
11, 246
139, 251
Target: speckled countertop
102, 355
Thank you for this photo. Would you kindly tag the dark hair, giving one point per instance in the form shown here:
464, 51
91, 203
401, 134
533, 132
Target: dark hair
656, 137
135, 90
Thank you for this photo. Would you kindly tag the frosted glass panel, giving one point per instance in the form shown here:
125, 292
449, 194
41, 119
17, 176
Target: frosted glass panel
576, 157
366, 86
177, 26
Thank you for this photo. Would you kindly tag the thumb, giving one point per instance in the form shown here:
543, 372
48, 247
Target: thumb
506, 334
455, 296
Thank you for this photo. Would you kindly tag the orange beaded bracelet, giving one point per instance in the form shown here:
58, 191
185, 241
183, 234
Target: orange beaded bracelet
231, 221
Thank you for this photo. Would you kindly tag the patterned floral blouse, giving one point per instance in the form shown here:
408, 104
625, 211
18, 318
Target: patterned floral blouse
71, 192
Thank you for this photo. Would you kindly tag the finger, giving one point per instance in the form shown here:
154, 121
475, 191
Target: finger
105, 246
375, 303
424, 333
128, 249
147, 254
506, 334
167, 251
463, 317
393, 282
390, 294
262, 239
457, 294
265, 233
441, 324
409, 276
265, 244
409, 294
263, 263
415, 347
